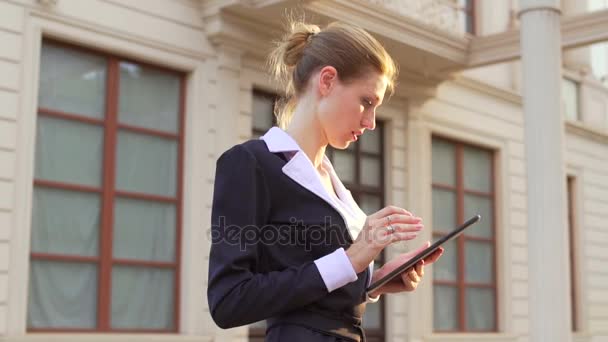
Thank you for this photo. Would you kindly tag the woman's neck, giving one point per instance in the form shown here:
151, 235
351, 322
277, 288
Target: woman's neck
309, 142
306, 131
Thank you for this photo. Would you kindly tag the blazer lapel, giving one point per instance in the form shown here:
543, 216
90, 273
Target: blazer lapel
301, 170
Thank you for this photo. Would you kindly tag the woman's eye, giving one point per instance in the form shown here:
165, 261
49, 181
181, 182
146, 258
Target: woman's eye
367, 103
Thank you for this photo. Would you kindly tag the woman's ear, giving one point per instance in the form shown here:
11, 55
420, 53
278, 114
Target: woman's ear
328, 77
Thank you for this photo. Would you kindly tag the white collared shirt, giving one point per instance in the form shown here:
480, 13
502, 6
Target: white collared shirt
335, 268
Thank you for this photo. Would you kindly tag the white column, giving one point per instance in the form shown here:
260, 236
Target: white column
549, 298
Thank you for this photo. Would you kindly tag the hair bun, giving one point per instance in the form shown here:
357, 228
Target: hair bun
297, 40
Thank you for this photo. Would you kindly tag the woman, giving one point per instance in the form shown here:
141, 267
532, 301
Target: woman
290, 245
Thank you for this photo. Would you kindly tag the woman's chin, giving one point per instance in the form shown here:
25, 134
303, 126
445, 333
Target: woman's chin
346, 145
343, 145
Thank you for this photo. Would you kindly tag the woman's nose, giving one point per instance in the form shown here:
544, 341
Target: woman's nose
369, 121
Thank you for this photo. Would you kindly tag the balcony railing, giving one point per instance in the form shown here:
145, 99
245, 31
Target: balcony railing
453, 16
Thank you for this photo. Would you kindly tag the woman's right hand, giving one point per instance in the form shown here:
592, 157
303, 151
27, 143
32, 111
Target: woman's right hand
375, 235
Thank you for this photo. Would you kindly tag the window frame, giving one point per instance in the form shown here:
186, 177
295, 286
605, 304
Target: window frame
269, 96
108, 193
469, 11
577, 87
459, 190
571, 186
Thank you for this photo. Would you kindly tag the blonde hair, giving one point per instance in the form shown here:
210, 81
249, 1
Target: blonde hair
305, 48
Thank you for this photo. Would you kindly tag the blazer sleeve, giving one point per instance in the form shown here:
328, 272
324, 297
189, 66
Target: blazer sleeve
237, 294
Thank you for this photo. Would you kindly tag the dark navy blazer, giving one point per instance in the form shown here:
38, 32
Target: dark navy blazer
267, 230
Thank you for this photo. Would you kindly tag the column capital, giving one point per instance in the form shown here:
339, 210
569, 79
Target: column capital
536, 5
229, 56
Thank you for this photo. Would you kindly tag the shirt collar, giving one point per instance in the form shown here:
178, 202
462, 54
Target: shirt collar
278, 140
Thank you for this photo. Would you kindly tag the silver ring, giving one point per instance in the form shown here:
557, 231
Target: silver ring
388, 220
390, 229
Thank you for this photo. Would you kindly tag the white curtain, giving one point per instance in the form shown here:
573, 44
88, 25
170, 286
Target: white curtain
142, 298
68, 151
146, 164
144, 230
148, 98
72, 81
62, 295
65, 222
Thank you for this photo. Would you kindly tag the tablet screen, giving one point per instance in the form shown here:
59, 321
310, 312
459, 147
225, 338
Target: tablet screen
428, 251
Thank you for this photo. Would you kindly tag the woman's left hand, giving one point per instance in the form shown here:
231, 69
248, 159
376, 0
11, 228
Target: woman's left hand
409, 280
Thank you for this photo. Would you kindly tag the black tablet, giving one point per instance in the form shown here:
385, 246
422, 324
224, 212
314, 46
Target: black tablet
428, 251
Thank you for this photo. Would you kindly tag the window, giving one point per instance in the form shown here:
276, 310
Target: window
599, 51
361, 169
263, 112
106, 214
571, 191
464, 283
466, 15
570, 99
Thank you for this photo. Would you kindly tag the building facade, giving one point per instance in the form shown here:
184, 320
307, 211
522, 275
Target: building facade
113, 114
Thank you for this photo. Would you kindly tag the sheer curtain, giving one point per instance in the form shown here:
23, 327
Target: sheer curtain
66, 218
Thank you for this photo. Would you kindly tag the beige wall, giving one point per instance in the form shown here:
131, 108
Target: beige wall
11, 27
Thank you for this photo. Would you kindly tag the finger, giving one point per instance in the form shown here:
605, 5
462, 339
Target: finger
418, 268
434, 256
393, 220
407, 219
413, 275
405, 228
396, 237
390, 210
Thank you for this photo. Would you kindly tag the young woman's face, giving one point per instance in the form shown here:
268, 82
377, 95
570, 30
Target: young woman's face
347, 109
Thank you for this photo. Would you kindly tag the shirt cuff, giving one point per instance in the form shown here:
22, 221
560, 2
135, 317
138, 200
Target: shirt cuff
336, 269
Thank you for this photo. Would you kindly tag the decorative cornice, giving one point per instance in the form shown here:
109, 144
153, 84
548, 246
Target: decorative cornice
147, 41
413, 86
494, 48
485, 88
246, 34
48, 3
584, 29
586, 131
578, 30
